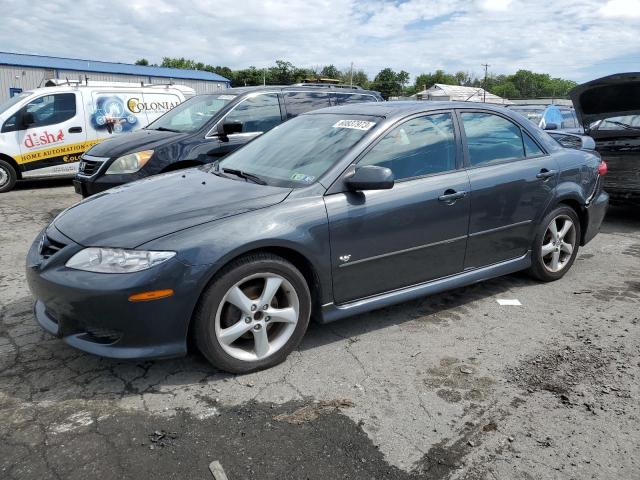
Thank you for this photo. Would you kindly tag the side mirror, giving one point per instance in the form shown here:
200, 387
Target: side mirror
551, 126
229, 128
28, 119
588, 143
370, 177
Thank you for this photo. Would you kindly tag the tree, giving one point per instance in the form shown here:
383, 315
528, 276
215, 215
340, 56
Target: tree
387, 83
330, 71
142, 61
403, 79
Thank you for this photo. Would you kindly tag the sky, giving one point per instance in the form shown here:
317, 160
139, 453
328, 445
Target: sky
575, 39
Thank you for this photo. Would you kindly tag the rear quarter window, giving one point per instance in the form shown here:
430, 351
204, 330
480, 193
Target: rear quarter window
346, 98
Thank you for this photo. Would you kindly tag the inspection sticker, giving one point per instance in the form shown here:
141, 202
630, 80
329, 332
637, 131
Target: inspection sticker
355, 124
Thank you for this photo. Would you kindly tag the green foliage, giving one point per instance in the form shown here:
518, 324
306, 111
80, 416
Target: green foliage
522, 84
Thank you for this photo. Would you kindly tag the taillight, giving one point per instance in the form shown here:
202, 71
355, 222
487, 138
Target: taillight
602, 168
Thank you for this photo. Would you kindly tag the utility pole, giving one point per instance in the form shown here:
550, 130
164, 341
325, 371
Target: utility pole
484, 86
351, 75
264, 76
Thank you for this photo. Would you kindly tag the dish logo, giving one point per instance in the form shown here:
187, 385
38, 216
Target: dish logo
33, 140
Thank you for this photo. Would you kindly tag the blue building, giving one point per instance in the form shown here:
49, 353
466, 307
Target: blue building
20, 72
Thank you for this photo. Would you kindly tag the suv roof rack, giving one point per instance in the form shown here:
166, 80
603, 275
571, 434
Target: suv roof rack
327, 85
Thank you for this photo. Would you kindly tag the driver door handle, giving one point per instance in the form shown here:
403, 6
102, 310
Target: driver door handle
75, 130
545, 174
450, 195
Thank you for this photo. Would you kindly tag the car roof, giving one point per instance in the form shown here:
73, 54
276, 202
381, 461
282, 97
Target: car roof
402, 108
310, 88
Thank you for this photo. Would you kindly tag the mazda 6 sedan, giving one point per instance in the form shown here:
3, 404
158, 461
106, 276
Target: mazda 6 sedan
331, 214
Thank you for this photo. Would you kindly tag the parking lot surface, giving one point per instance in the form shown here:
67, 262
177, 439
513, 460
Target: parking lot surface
449, 386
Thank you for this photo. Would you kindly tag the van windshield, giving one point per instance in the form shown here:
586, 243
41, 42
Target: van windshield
192, 114
7, 104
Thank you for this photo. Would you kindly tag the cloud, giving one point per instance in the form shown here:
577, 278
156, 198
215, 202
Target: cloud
567, 39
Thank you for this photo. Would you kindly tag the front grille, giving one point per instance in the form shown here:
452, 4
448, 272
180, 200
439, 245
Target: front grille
88, 167
49, 246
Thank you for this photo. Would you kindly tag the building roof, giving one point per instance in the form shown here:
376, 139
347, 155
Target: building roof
458, 92
40, 61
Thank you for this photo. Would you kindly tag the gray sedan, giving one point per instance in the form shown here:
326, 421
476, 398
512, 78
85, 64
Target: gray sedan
333, 213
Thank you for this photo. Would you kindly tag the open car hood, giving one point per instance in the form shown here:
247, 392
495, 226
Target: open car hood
612, 96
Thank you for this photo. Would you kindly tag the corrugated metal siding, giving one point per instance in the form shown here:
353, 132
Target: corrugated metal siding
34, 77
20, 77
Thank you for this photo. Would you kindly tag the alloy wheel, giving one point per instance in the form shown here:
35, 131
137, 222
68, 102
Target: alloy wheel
4, 177
558, 243
257, 316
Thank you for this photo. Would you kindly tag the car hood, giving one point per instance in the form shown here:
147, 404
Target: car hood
607, 97
138, 212
134, 142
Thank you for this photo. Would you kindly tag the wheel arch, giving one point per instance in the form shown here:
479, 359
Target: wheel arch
289, 253
581, 211
13, 163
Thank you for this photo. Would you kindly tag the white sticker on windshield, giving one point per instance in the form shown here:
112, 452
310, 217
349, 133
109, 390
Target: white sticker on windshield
226, 97
356, 124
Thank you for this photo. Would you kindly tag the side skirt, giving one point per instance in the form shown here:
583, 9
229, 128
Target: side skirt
332, 312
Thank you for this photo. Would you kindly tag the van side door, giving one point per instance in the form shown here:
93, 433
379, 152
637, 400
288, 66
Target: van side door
51, 132
256, 114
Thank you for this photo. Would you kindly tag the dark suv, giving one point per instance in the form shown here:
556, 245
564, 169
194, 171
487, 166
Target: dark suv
204, 129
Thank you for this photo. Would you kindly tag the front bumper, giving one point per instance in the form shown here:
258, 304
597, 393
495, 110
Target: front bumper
91, 311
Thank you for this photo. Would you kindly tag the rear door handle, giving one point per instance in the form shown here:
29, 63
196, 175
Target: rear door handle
544, 173
75, 130
450, 195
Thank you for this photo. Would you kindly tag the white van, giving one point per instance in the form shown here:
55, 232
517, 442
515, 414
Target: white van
44, 131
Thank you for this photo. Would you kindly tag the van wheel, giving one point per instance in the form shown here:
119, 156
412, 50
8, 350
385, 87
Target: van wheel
253, 314
556, 244
8, 176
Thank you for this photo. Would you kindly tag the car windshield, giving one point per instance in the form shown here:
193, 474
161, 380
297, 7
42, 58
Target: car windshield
7, 104
625, 122
531, 113
298, 152
192, 114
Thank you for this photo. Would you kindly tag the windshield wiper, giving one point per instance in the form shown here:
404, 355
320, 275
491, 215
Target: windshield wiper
624, 125
165, 129
245, 175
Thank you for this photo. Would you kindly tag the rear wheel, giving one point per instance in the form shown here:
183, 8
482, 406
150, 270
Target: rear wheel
253, 314
8, 176
556, 245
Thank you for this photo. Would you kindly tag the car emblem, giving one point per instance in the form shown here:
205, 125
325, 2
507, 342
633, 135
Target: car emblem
344, 258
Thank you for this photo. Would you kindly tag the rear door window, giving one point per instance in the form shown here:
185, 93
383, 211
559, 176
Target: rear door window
256, 114
491, 138
301, 102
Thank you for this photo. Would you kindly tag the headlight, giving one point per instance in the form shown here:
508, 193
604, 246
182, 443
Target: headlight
115, 260
129, 163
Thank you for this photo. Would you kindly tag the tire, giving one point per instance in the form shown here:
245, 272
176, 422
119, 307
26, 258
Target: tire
8, 176
551, 258
233, 338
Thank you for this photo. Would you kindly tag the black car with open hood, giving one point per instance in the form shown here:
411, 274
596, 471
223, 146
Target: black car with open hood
609, 109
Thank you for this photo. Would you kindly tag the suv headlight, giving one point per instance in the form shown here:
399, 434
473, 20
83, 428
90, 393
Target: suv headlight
130, 163
116, 260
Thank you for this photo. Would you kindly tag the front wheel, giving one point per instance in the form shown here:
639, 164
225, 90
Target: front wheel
253, 314
556, 245
8, 176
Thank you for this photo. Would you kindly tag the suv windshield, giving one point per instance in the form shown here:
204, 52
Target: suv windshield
7, 104
192, 114
298, 152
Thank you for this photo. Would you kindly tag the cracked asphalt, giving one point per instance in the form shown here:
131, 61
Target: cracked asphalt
452, 386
